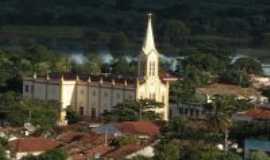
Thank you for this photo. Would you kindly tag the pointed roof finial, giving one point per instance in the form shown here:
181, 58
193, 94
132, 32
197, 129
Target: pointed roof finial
89, 79
48, 76
35, 75
77, 77
149, 42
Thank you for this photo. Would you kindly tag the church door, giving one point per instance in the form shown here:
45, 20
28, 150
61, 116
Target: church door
81, 111
93, 113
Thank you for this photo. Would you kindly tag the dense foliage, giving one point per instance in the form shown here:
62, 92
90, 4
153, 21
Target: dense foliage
259, 155
133, 111
18, 111
118, 24
3, 155
57, 154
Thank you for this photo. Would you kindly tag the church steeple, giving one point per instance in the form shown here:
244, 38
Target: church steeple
149, 57
149, 42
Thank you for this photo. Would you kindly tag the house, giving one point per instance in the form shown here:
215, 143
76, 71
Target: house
260, 82
143, 128
256, 114
30, 146
191, 110
92, 95
130, 151
197, 111
231, 90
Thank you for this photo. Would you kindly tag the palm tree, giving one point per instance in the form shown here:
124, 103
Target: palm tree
219, 115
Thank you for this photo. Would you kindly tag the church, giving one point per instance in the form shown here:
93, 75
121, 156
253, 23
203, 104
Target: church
91, 95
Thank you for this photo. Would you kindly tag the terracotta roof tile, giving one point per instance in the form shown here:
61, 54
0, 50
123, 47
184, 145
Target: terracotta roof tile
69, 136
259, 113
139, 127
32, 144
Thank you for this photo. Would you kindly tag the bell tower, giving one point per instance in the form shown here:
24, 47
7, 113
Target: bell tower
149, 56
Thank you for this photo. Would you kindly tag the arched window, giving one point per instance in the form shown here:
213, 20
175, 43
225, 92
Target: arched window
152, 96
152, 69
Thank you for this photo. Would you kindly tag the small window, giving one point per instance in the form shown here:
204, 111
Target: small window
186, 111
26, 88
191, 112
180, 110
197, 113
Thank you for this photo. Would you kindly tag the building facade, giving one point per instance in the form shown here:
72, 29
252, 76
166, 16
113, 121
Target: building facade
92, 95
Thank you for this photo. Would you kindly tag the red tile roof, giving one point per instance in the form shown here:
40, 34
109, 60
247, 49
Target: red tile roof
69, 136
139, 127
124, 151
259, 113
32, 144
90, 137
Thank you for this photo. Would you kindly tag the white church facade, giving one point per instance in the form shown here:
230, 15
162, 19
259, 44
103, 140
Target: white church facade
91, 95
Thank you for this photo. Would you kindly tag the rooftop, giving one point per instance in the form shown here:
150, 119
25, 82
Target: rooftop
228, 89
32, 144
123, 151
139, 127
258, 113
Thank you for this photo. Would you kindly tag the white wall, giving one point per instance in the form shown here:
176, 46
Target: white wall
68, 94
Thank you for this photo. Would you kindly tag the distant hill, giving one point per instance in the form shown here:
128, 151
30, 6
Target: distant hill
225, 23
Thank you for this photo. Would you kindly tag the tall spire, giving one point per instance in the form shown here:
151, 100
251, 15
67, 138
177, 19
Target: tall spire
149, 43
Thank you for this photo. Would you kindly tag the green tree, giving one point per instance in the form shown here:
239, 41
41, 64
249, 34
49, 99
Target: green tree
60, 64
219, 114
176, 33
133, 111
72, 116
3, 155
184, 92
259, 155
6, 71
19, 110
121, 66
206, 62
124, 140
167, 151
218, 155
93, 63
119, 44
175, 128
57, 154
249, 65
236, 77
